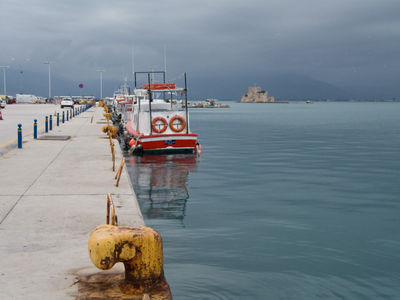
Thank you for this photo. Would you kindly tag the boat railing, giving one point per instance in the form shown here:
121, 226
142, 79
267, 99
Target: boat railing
151, 87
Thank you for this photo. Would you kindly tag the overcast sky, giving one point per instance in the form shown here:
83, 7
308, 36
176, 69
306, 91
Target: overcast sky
345, 43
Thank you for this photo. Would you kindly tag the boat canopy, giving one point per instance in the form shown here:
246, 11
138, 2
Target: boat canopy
159, 86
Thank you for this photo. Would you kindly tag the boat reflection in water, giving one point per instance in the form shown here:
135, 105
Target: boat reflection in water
159, 182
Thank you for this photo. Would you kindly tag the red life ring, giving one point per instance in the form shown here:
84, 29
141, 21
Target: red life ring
175, 127
158, 126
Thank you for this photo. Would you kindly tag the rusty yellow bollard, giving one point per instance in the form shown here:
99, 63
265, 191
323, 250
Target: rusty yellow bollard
140, 249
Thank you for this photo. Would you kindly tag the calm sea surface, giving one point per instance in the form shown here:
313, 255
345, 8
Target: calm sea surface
287, 201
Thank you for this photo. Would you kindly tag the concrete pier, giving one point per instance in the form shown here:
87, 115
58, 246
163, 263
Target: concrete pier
52, 196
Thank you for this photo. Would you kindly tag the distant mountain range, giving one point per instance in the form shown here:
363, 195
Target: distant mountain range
280, 86
289, 87
229, 87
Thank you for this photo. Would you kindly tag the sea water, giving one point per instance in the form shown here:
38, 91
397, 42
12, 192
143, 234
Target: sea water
286, 201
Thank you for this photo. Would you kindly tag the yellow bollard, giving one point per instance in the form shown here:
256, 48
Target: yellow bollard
140, 249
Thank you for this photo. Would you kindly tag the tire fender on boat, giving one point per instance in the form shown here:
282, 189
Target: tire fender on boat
172, 126
155, 127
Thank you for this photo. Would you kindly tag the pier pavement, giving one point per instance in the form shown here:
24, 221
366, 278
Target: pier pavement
24, 114
52, 196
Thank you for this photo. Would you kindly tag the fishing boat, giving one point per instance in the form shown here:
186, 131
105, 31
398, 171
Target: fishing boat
158, 119
120, 102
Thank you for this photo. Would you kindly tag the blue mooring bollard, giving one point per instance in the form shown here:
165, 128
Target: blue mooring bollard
58, 119
67, 116
47, 124
35, 129
73, 112
63, 118
19, 136
51, 122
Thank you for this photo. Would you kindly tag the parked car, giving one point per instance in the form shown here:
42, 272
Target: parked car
67, 102
11, 100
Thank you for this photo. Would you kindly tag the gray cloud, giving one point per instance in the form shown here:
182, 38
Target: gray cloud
343, 42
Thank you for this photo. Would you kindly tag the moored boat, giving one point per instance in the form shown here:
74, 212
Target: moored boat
158, 119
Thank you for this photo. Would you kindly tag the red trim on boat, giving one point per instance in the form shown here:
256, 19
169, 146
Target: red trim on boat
161, 144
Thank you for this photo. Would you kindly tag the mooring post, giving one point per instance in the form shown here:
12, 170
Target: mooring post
35, 129
47, 124
20, 136
140, 249
51, 122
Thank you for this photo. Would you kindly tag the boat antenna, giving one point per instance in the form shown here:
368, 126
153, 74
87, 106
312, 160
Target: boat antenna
133, 62
165, 60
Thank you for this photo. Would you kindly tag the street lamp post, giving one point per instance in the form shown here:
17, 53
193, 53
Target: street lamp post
49, 64
4, 79
101, 81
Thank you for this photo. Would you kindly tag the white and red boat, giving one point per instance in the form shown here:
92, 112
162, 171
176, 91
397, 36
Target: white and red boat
158, 120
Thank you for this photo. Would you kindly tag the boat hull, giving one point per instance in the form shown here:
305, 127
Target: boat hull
165, 144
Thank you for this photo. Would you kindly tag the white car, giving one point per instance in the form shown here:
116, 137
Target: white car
2, 103
67, 102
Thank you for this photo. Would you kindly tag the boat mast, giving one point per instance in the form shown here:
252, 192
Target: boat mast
134, 76
165, 59
149, 91
133, 62
186, 107
165, 69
